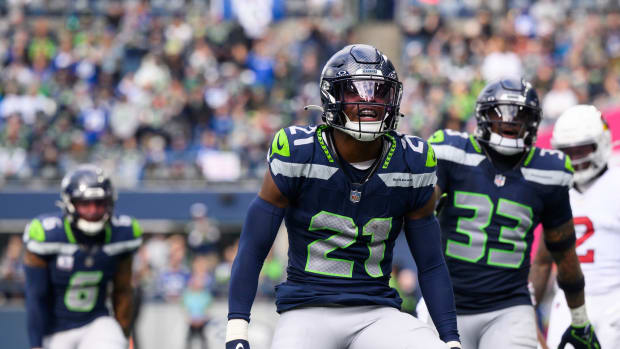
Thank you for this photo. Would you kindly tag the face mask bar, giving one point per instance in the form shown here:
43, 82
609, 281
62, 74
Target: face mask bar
581, 155
371, 98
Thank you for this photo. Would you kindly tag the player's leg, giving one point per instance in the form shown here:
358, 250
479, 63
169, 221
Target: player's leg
311, 328
470, 326
470, 329
559, 319
103, 333
391, 328
510, 328
64, 339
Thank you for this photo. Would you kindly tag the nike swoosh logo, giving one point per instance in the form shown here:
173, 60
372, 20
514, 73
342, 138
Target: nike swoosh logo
239, 346
280, 146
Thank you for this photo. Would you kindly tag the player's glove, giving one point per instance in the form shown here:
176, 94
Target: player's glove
238, 344
454, 345
581, 337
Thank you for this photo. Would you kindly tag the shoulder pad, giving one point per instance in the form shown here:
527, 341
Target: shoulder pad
292, 144
125, 235
46, 228
452, 137
548, 167
419, 155
47, 234
457, 147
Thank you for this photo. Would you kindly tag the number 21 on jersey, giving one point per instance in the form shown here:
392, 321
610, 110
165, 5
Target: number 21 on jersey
346, 234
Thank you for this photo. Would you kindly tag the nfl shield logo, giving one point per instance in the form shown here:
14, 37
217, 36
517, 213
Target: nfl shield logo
64, 262
500, 180
356, 195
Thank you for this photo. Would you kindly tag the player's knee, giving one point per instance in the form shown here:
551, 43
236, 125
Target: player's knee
104, 332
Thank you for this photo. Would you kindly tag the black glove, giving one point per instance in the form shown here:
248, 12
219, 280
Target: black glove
580, 337
238, 344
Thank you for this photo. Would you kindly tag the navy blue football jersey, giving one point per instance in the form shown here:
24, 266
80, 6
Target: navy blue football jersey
341, 232
487, 218
79, 273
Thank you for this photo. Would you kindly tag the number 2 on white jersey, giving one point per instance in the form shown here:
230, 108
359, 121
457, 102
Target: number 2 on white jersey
588, 257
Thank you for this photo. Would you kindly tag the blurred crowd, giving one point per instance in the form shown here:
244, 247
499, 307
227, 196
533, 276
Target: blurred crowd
193, 90
569, 50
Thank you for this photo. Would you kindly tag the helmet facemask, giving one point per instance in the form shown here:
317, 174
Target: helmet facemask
508, 128
363, 106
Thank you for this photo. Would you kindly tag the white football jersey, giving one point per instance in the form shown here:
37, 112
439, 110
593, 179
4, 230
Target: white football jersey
596, 215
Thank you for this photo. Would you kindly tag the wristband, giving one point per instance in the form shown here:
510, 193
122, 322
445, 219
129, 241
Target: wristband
579, 316
236, 329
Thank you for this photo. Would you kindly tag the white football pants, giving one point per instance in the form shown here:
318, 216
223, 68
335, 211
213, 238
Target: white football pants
102, 333
360, 327
508, 328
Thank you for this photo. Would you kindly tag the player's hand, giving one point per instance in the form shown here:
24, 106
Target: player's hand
238, 344
580, 338
454, 345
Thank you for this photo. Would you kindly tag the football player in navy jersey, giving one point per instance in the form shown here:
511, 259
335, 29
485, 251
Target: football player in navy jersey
345, 189
497, 187
70, 259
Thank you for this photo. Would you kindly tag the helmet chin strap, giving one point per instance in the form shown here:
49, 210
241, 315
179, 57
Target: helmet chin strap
90, 228
506, 146
370, 130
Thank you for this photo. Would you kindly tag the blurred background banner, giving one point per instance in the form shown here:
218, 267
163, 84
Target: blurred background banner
178, 100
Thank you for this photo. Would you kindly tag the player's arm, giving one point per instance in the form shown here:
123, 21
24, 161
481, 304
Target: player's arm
261, 225
538, 279
540, 271
424, 238
122, 293
560, 242
37, 301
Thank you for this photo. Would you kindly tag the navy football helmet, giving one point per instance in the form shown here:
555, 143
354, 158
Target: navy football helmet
508, 113
360, 92
86, 183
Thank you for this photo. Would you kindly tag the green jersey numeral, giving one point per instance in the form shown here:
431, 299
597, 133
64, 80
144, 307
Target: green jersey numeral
346, 231
475, 230
83, 290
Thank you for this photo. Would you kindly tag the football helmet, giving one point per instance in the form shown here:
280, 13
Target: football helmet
360, 92
583, 134
508, 114
86, 183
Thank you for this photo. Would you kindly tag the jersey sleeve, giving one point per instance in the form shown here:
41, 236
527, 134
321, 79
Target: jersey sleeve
557, 209
126, 236
285, 164
437, 139
422, 164
45, 235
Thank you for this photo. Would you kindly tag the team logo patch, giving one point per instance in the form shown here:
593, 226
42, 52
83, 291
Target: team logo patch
355, 196
64, 262
500, 180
